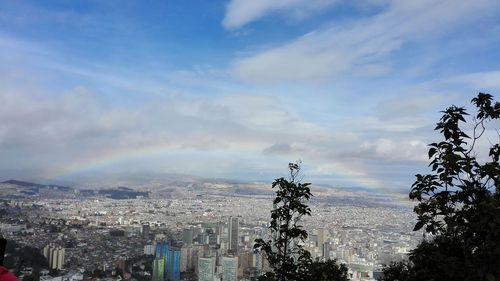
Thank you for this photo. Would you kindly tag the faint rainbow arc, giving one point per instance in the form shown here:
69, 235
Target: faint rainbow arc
115, 156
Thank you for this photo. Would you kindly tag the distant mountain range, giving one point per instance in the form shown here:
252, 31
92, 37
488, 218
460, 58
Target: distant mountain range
12, 189
19, 189
34, 185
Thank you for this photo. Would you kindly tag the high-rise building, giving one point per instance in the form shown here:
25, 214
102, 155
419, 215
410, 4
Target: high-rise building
55, 256
233, 234
158, 269
45, 251
60, 258
145, 230
174, 264
158, 250
161, 249
219, 229
198, 252
187, 236
186, 259
326, 251
229, 268
322, 237
171, 260
177, 265
206, 269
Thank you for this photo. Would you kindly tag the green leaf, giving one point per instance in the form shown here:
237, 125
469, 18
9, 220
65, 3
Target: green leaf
432, 151
418, 226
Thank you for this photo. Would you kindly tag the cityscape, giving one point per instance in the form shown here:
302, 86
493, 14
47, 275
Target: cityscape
249, 140
193, 230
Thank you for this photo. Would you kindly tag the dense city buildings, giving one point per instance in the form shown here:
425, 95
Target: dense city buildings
197, 232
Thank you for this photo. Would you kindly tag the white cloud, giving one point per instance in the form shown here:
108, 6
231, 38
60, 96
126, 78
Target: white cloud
242, 12
361, 46
49, 131
480, 81
225, 135
394, 150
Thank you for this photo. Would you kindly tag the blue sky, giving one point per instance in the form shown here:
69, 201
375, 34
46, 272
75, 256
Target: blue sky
101, 92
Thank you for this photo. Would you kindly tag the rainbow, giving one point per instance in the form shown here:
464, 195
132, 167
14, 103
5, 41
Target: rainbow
114, 156
117, 155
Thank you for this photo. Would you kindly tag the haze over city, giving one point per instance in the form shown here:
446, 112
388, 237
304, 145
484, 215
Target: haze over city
101, 92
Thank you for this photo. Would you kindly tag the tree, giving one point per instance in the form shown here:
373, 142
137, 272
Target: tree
459, 202
397, 271
327, 270
285, 253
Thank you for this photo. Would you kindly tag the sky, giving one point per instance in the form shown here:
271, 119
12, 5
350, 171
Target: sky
101, 92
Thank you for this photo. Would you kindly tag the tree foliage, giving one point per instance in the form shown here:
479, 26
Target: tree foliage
459, 202
327, 270
285, 252
397, 271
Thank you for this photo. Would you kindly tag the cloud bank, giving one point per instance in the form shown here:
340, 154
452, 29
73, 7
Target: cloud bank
361, 47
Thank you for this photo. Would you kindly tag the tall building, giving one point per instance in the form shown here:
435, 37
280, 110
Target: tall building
145, 230
174, 264
326, 251
158, 269
158, 250
206, 269
177, 265
233, 234
219, 229
187, 236
55, 256
229, 268
61, 252
161, 249
198, 252
186, 259
171, 260
322, 237
45, 252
